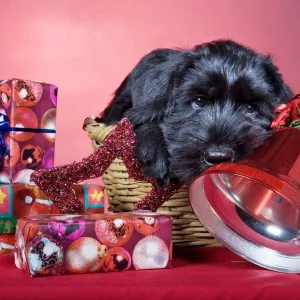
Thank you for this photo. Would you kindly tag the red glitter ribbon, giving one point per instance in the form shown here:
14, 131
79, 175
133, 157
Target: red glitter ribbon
287, 113
57, 182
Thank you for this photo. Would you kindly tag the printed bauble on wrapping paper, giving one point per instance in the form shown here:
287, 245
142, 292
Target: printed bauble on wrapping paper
27, 127
76, 244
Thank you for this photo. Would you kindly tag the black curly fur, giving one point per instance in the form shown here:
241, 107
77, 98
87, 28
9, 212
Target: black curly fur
184, 103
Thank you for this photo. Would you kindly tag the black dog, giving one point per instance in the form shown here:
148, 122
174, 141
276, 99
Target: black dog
198, 107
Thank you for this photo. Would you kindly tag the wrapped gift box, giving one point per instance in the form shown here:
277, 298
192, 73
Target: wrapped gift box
76, 244
27, 127
19, 200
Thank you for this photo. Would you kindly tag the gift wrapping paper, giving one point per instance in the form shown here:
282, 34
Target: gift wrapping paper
27, 127
20, 200
77, 244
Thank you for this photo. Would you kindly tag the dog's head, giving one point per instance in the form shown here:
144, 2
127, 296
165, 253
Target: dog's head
221, 106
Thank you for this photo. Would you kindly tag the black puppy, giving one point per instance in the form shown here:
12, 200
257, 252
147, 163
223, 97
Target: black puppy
198, 107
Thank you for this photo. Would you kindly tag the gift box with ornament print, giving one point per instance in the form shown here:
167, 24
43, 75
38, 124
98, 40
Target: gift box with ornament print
20, 200
77, 244
27, 127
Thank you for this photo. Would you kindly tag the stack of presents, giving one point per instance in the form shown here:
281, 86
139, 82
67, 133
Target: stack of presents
44, 241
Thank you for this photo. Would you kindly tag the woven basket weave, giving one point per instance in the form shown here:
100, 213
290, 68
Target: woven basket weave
124, 192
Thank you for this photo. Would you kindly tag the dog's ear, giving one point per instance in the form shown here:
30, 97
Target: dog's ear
153, 84
281, 90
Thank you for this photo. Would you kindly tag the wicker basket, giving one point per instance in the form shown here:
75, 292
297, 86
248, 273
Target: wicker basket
124, 192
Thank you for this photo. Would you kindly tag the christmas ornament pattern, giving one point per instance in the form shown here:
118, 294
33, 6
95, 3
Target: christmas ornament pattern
77, 244
85, 255
45, 256
114, 233
28, 126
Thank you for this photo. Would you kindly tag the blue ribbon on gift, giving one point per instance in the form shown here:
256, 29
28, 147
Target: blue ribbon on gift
5, 127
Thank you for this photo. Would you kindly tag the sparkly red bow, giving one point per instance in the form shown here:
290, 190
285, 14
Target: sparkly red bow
57, 182
287, 113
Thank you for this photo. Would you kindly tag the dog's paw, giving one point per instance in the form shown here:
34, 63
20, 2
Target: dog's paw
152, 155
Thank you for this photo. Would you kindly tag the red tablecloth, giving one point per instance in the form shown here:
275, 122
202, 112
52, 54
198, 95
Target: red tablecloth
198, 273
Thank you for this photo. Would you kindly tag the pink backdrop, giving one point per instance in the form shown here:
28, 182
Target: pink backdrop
86, 47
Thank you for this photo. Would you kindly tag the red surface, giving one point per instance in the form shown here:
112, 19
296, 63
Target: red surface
198, 273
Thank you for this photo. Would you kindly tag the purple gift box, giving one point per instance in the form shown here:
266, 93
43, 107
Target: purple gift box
76, 244
27, 127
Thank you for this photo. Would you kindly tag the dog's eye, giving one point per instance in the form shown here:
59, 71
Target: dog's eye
199, 101
250, 109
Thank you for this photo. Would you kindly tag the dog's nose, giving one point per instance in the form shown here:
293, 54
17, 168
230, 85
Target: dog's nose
217, 156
